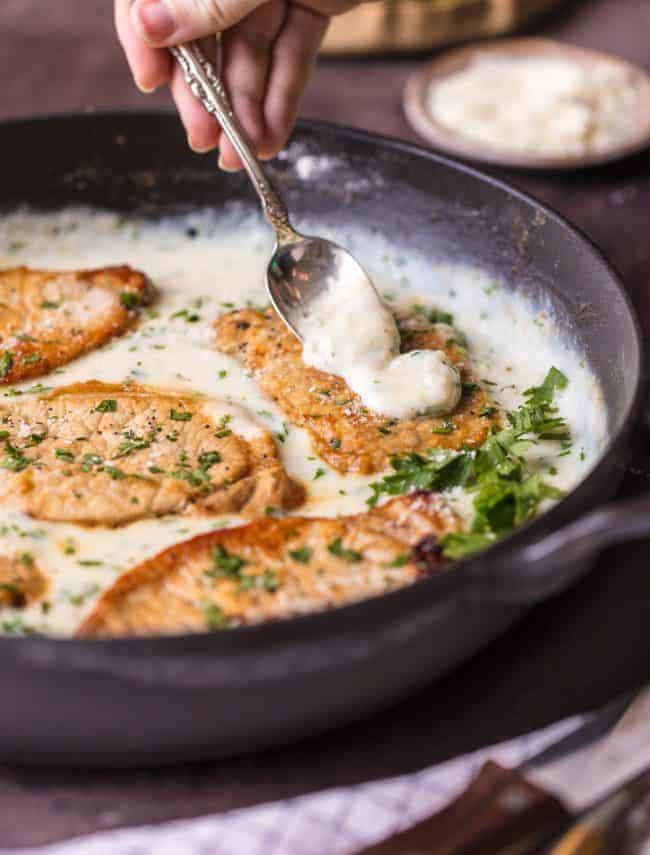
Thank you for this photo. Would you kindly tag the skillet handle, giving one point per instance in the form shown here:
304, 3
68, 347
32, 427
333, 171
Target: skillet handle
500, 812
559, 560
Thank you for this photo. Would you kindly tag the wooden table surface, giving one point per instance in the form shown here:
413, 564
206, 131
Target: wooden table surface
568, 655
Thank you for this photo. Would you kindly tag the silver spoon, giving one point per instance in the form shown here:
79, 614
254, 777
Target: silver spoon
301, 267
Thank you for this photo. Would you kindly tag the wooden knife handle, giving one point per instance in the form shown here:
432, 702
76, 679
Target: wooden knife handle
499, 810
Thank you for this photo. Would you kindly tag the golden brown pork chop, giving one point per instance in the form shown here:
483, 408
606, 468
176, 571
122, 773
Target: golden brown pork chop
102, 454
343, 432
275, 568
21, 581
48, 318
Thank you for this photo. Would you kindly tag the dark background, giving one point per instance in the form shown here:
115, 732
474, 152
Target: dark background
568, 655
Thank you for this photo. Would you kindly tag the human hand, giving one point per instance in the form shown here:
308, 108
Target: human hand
269, 47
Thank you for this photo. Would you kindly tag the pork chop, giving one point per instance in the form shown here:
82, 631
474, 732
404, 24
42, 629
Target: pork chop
97, 454
275, 568
48, 318
21, 581
343, 431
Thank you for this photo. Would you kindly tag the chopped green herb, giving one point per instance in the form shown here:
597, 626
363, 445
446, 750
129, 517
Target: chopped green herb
267, 581
6, 363
189, 317
445, 428
223, 374
108, 405
272, 511
336, 548
400, 560
92, 460
48, 304
178, 416
506, 489
130, 299
226, 564
302, 555
115, 473
318, 474
214, 617
15, 460
131, 444
35, 439
62, 454
335, 443
31, 359
487, 411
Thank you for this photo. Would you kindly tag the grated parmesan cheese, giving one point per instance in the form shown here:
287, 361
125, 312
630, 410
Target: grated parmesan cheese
541, 106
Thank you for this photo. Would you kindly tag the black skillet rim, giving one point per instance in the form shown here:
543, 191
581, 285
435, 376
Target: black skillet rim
54, 651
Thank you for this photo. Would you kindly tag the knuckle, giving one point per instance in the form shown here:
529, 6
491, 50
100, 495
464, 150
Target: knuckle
216, 13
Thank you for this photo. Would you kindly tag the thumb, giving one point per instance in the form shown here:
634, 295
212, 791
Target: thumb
162, 23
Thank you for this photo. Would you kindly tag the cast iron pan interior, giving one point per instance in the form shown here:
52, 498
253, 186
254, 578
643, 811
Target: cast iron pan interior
286, 680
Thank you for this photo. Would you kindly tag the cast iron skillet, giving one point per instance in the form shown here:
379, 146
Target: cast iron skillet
170, 699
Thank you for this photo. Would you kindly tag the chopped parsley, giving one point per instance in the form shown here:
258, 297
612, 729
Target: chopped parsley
318, 474
15, 460
178, 416
130, 444
267, 581
62, 454
445, 428
130, 300
214, 617
108, 405
31, 359
114, 473
506, 489
302, 555
227, 565
335, 443
188, 317
336, 548
6, 363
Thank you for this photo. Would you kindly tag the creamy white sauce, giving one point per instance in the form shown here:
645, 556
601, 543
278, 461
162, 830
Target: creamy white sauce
349, 332
207, 264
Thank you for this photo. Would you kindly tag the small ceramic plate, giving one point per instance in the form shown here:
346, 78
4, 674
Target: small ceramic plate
418, 89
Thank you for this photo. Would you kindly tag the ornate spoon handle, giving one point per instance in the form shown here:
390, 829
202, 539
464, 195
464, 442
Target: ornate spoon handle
204, 83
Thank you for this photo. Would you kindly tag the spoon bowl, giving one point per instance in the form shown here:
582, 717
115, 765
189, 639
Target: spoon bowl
304, 268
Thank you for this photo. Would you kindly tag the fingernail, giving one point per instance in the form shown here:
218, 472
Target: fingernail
200, 149
146, 90
224, 168
154, 19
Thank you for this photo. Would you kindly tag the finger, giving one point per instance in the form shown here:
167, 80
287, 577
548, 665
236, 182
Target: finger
162, 23
150, 67
203, 130
247, 51
293, 58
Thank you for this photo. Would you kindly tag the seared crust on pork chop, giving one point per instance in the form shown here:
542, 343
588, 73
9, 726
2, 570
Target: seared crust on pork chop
343, 431
275, 568
21, 581
48, 318
96, 453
